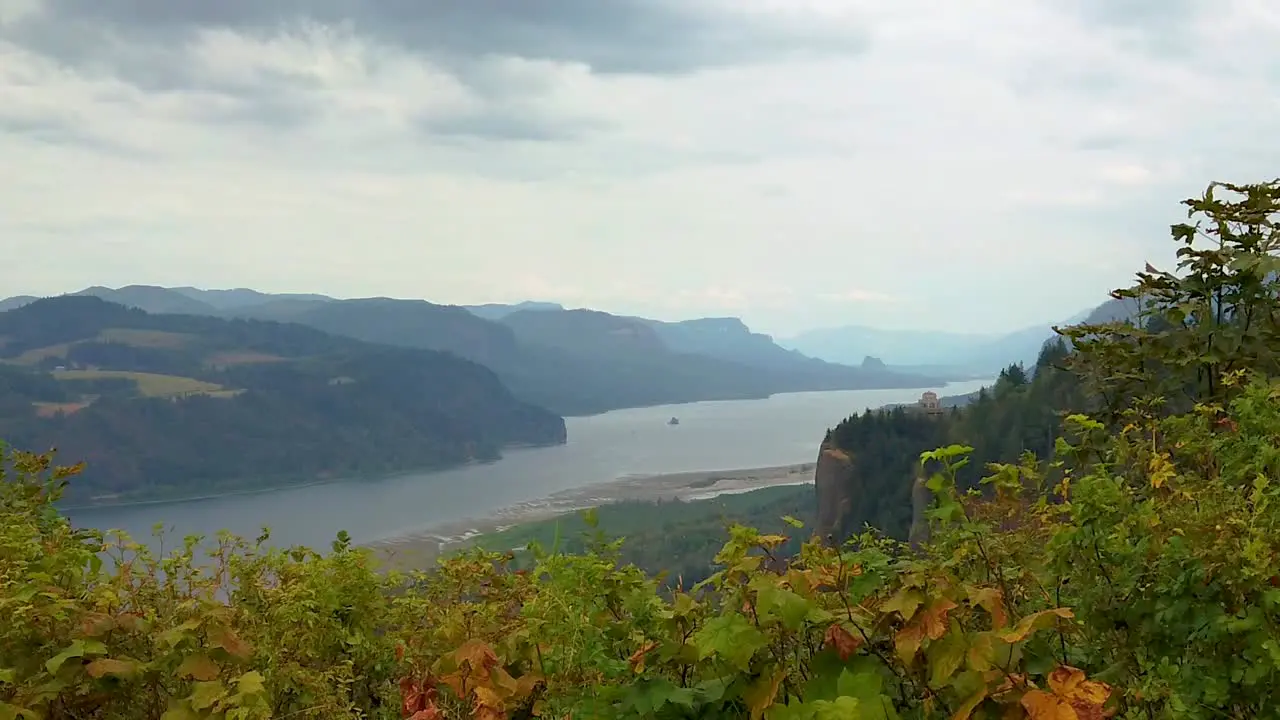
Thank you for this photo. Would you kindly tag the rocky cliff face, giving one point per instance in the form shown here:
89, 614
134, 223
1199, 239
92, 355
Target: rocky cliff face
834, 484
839, 489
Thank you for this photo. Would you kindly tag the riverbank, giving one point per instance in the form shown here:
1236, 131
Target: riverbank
421, 549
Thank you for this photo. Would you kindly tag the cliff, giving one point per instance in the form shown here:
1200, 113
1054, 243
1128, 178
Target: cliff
833, 481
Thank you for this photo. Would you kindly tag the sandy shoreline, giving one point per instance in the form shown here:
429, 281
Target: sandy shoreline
419, 549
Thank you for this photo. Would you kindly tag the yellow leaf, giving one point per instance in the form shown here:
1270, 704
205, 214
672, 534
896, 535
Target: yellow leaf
1033, 622
904, 602
761, 695
1160, 469
991, 600
771, 541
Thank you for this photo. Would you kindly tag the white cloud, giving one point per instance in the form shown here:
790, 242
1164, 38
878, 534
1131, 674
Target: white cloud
976, 151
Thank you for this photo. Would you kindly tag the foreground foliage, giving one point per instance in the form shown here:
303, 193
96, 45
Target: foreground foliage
1132, 573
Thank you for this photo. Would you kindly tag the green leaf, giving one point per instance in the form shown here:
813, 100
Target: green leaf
731, 638
13, 712
74, 650
792, 521
776, 602
206, 694
945, 657
198, 667
250, 683
905, 602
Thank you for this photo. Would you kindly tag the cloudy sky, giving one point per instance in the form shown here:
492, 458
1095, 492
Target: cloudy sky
974, 164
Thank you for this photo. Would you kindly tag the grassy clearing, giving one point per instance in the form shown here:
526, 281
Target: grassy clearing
241, 357
149, 384
36, 355
145, 338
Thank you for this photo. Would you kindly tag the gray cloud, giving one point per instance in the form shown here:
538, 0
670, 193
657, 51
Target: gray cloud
509, 125
147, 43
614, 36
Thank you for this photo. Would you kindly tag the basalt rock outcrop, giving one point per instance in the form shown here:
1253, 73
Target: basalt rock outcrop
842, 498
834, 484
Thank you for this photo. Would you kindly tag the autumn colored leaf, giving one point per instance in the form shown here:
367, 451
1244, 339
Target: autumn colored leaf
416, 696
991, 600
844, 642
908, 640
431, 712
1041, 705
476, 654
1160, 470
95, 625
637, 658
761, 695
225, 638
1033, 622
1085, 696
934, 619
771, 541
103, 667
489, 705
905, 602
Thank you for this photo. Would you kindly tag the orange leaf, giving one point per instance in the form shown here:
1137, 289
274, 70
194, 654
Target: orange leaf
417, 697
477, 654
431, 712
844, 642
637, 658
489, 705
934, 620
908, 640
1085, 696
224, 638
1041, 705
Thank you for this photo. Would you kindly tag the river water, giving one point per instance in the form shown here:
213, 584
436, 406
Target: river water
725, 435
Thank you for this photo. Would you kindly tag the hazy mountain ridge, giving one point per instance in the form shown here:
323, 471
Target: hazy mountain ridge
571, 361
942, 351
191, 404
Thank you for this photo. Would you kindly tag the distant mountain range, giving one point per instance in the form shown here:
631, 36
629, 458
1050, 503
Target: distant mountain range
945, 352
572, 362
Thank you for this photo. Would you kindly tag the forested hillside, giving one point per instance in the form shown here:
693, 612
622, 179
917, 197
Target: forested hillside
164, 405
1130, 574
1022, 412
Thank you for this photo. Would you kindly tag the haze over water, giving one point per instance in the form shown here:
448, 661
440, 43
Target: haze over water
719, 435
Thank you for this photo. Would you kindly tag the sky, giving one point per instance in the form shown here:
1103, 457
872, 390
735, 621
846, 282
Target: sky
974, 165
